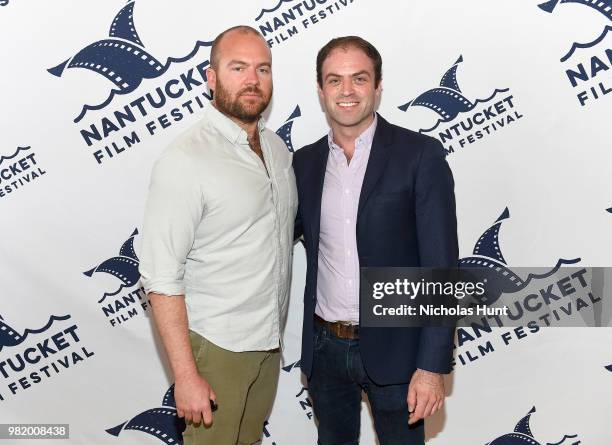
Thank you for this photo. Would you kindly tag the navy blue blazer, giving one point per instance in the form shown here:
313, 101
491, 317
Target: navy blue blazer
406, 217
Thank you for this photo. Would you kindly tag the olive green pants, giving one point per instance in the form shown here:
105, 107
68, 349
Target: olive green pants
245, 385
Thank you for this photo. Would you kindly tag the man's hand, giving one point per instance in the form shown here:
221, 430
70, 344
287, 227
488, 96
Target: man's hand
425, 395
191, 392
193, 395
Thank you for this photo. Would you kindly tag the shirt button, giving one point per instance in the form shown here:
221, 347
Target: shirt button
347, 191
348, 252
348, 221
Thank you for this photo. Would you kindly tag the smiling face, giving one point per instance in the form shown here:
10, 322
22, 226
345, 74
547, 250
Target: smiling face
242, 76
348, 91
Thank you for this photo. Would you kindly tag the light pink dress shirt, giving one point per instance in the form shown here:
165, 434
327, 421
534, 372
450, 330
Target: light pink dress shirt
338, 277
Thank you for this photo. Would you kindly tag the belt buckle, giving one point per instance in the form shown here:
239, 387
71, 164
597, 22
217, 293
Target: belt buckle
346, 330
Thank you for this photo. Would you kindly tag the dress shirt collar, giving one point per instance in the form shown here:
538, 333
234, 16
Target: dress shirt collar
228, 128
363, 140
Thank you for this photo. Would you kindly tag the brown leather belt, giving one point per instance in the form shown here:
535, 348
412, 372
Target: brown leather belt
341, 329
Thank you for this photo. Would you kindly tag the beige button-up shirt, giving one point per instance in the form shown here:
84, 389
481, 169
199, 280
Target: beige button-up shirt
219, 230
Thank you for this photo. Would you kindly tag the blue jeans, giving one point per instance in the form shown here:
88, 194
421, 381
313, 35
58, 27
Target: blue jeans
335, 386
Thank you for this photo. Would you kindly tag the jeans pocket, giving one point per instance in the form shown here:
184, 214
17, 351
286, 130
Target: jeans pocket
319, 338
198, 345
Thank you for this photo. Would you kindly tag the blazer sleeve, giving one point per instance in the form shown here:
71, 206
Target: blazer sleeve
438, 246
298, 229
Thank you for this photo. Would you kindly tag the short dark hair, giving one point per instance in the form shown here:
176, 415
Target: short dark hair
350, 42
214, 50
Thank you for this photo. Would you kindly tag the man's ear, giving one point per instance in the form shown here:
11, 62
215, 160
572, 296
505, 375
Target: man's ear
379, 87
211, 77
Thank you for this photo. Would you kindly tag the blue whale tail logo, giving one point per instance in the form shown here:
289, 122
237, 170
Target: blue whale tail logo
121, 58
489, 263
57, 71
488, 243
292, 366
604, 7
521, 435
523, 425
115, 431
446, 100
161, 422
123, 266
488, 258
9, 336
548, 6
285, 130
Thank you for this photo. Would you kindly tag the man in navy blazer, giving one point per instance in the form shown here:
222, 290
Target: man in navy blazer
371, 194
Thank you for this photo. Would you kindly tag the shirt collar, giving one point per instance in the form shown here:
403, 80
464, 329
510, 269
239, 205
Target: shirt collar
228, 128
363, 140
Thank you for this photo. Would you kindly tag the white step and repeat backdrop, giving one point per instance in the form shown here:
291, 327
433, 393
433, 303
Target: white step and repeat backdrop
92, 91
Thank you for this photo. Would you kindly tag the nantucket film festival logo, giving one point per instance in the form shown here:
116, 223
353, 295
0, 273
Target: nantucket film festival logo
289, 18
587, 64
161, 422
19, 169
129, 299
31, 357
523, 435
537, 301
463, 121
147, 97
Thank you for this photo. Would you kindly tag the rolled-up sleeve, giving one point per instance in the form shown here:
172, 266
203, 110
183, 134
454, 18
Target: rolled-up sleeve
173, 212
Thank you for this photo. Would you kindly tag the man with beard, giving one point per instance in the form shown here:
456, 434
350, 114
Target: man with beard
216, 244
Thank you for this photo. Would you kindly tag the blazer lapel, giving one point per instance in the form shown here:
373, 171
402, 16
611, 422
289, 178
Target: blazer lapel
379, 155
317, 179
